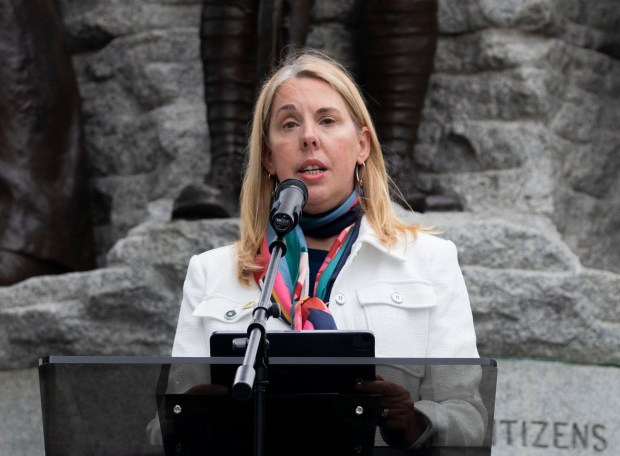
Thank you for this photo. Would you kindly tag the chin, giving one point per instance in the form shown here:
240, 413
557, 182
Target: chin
317, 209
312, 209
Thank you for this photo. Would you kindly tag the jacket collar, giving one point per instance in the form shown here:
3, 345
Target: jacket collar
368, 236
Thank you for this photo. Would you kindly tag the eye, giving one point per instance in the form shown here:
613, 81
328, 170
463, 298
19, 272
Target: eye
288, 125
328, 120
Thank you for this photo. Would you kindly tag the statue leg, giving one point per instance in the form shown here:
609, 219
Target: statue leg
296, 15
241, 41
228, 38
399, 41
45, 218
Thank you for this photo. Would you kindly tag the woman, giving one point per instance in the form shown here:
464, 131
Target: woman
351, 259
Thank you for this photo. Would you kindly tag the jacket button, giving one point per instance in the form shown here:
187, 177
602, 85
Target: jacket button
397, 297
340, 299
230, 314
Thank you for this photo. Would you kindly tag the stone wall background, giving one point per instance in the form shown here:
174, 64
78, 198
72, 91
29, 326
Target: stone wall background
520, 115
520, 124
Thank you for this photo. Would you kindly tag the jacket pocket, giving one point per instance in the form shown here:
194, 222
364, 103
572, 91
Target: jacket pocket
398, 314
223, 312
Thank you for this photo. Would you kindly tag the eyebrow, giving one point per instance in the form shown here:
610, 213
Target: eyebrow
286, 107
327, 109
291, 107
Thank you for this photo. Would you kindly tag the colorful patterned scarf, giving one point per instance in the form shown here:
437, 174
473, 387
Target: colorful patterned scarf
300, 308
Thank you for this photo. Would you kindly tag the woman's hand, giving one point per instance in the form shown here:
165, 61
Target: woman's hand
400, 424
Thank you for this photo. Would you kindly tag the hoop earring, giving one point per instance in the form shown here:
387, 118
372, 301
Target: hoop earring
360, 183
273, 179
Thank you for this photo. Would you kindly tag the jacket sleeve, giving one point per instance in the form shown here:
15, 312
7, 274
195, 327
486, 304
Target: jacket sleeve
451, 325
450, 396
452, 405
190, 339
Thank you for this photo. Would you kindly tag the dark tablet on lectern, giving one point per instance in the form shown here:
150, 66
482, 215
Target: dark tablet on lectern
319, 343
316, 377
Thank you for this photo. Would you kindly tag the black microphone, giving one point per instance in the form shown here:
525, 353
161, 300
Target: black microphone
289, 199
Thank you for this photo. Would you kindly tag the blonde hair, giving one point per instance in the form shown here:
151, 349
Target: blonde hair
258, 185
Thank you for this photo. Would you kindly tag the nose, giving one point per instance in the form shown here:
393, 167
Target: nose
309, 138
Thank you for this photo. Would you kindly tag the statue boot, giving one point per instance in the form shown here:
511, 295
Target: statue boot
228, 36
400, 39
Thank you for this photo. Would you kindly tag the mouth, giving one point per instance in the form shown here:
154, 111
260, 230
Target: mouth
312, 169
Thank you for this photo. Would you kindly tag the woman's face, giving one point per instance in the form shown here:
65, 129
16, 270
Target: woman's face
312, 137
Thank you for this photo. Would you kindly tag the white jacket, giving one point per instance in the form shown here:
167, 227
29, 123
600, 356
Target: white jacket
412, 296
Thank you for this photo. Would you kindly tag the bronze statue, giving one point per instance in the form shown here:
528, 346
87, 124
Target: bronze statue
45, 219
241, 40
240, 43
396, 60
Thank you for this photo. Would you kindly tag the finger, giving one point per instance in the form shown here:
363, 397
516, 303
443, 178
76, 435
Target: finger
396, 419
397, 408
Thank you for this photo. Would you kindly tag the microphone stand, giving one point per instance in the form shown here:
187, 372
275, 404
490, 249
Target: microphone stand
252, 374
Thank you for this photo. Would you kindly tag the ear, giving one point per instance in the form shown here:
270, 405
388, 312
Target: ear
364, 145
267, 161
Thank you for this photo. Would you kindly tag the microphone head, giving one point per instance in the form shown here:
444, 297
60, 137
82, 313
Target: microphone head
288, 183
289, 199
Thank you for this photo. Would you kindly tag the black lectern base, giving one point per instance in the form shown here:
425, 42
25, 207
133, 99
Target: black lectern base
300, 424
